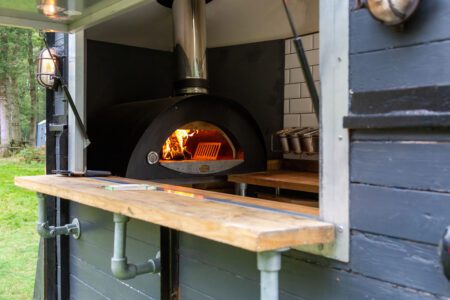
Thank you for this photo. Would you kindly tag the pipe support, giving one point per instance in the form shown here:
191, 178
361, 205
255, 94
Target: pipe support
46, 231
269, 265
120, 267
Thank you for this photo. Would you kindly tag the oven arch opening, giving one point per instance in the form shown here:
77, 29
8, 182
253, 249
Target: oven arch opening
200, 147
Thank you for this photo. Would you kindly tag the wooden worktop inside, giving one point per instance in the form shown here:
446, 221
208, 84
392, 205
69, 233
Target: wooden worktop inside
248, 223
284, 179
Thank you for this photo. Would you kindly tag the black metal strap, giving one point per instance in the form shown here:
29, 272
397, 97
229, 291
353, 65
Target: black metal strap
304, 62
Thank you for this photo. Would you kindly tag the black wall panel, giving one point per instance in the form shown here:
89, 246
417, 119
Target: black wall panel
399, 77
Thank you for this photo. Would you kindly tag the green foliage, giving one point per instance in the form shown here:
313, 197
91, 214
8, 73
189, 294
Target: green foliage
31, 155
14, 63
18, 237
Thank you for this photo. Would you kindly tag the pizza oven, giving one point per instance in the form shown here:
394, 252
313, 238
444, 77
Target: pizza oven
190, 134
184, 136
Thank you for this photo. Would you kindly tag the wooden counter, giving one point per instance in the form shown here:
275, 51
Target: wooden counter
290, 180
248, 223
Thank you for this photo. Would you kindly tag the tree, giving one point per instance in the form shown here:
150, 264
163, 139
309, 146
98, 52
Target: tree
4, 104
20, 98
32, 89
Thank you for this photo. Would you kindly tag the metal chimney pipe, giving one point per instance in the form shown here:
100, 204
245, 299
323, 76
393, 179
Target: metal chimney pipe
189, 23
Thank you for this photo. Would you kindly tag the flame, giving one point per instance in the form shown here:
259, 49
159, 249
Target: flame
175, 146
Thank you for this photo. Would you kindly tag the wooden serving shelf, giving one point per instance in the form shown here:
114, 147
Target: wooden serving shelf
283, 179
248, 223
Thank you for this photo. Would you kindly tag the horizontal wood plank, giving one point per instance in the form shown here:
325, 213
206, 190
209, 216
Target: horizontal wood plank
418, 165
401, 262
378, 268
401, 67
242, 222
106, 284
416, 134
429, 24
99, 220
290, 180
81, 290
414, 215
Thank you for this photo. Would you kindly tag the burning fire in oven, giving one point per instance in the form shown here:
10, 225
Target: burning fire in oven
198, 144
175, 147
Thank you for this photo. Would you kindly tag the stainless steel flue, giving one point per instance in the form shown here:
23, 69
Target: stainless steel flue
189, 22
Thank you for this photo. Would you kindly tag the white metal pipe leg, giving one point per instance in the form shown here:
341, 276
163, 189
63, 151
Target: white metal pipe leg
269, 265
242, 189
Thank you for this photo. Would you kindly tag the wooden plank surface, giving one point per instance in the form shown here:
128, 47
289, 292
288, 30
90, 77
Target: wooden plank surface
290, 180
251, 224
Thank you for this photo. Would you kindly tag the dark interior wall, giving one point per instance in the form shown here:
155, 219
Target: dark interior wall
252, 75
118, 74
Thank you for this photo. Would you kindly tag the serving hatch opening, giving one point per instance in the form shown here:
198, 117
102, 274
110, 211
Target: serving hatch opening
200, 147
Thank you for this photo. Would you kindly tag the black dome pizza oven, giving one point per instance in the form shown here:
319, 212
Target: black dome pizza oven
192, 134
177, 137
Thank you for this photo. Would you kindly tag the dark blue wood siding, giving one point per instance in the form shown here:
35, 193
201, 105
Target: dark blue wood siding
90, 257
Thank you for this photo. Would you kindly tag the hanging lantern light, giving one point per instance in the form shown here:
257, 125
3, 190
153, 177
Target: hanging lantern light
390, 12
49, 8
46, 68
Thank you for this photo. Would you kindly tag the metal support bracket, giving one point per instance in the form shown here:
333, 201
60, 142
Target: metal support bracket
47, 231
120, 267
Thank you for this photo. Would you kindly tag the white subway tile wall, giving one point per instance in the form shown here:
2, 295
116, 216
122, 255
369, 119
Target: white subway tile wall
298, 108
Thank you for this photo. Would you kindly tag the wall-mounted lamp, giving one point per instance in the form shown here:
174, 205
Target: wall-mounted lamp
390, 12
46, 68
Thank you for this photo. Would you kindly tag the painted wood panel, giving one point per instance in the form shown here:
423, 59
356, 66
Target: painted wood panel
398, 261
301, 278
426, 100
416, 66
413, 215
418, 134
97, 218
316, 282
304, 276
216, 282
105, 284
412, 165
81, 290
93, 251
430, 23
189, 293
